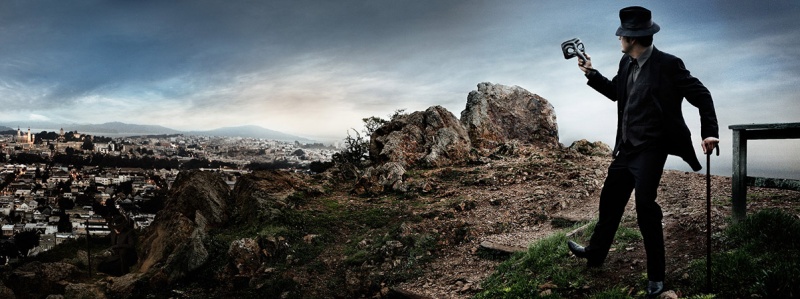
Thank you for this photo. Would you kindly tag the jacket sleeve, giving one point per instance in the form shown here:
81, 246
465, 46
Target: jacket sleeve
698, 95
602, 84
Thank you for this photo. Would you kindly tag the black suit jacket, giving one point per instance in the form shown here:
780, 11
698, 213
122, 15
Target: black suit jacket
661, 86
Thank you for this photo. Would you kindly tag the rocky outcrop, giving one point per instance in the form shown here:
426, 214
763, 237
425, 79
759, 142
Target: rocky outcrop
596, 148
429, 138
174, 244
263, 194
6, 292
36, 279
496, 114
200, 193
384, 177
83, 291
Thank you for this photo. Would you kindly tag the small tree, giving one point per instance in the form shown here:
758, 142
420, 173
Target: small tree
87, 144
354, 157
64, 225
25, 241
8, 250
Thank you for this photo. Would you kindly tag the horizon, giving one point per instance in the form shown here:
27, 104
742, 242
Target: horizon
314, 69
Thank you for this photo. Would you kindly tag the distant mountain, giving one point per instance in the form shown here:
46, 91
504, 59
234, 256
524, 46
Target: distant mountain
4, 128
251, 132
119, 128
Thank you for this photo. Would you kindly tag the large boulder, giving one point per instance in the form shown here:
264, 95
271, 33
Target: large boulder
37, 279
496, 114
429, 138
265, 194
174, 244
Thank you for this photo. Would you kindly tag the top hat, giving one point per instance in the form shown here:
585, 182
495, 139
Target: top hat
636, 21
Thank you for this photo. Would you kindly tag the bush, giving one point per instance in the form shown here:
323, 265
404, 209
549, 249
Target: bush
760, 258
354, 157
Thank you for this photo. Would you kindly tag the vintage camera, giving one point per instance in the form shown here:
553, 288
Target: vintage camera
572, 48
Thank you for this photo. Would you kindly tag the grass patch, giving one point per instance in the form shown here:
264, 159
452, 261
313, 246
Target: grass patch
548, 265
626, 236
612, 293
546, 261
761, 258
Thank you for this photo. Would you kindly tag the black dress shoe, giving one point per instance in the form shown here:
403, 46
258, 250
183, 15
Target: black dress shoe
654, 288
580, 252
577, 250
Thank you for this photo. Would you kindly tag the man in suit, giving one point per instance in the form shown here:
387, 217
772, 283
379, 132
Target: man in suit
649, 88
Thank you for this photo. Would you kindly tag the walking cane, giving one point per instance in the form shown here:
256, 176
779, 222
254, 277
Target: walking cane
708, 218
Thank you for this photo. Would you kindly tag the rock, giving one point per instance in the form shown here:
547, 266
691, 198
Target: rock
430, 138
264, 194
587, 148
496, 114
125, 286
381, 178
245, 254
174, 244
200, 192
668, 295
37, 279
83, 291
6, 292
309, 239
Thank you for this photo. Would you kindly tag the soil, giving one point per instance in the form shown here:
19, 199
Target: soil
515, 201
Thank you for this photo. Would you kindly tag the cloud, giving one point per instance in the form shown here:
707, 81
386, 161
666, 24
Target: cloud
37, 117
315, 68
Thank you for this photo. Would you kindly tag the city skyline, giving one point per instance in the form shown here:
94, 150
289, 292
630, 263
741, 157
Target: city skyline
316, 68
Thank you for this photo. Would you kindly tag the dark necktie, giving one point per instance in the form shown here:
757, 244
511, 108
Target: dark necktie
633, 68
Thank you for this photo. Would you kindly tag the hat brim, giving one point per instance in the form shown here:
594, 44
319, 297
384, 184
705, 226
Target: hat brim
637, 33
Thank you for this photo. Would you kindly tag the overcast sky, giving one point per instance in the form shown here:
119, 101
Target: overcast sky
316, 68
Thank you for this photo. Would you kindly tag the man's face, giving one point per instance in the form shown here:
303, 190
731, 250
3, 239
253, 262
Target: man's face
626, 44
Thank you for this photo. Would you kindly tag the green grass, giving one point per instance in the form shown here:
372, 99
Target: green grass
545, 261
548, 262
626, 236
761, 257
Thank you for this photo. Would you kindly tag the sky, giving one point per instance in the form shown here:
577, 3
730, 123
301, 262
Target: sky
316, 68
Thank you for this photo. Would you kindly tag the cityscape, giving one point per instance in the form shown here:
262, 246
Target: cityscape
65, 185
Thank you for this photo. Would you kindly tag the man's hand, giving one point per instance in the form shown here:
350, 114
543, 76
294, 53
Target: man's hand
709, 144
585, 66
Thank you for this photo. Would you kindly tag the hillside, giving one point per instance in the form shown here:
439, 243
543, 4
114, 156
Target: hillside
312, 238
422, 218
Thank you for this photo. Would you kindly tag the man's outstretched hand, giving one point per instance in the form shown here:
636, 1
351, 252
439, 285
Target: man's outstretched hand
585, 66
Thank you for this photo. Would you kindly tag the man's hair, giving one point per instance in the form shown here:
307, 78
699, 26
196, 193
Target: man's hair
644, 41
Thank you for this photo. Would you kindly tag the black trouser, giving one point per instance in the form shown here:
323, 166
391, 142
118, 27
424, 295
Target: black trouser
638, 170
